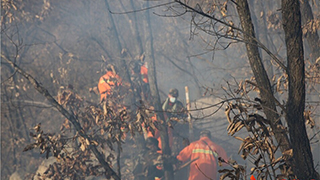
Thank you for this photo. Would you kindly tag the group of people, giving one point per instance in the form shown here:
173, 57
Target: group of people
203, 153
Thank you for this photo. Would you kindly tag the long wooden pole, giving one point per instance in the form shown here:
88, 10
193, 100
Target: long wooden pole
191, 135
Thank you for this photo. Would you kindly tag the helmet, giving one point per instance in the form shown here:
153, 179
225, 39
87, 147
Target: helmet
174, 92
205, 133
152, 141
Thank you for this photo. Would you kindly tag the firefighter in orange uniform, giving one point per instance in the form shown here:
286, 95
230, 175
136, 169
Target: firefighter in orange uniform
107, 82
139, 79
208, 152
156, 133
157, 136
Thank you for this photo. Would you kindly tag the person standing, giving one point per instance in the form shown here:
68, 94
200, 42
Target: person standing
172, 107
175, 113
139, 79
155, 131
108, 82
207, 152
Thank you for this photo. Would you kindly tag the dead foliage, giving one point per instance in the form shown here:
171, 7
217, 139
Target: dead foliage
236, 172
107, 124
258, 146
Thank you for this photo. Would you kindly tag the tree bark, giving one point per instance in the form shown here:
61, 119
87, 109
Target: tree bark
168, 169
312, 34
259, 72
262, 34
136, 30
125, 75
121, 63
303, 166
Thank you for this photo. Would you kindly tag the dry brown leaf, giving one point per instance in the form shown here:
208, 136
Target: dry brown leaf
235, 128
287, 154
239, 138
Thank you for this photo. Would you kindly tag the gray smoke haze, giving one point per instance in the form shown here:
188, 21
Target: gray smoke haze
67, 41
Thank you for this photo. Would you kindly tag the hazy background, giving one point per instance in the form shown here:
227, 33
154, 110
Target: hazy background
66, 42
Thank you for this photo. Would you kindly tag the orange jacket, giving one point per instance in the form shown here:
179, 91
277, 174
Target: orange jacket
105, 84
157, 135
144, 73
207, 162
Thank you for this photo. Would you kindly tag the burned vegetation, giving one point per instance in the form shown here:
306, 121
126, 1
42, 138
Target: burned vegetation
107, 126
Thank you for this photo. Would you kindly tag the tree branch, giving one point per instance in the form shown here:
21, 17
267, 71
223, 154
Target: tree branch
65, 113
238, 29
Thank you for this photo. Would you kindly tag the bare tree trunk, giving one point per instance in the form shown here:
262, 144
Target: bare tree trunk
121, 63
157, 104
12, 130
126, 76
312, 34
262, 34
303, 162
266, 94
136, 30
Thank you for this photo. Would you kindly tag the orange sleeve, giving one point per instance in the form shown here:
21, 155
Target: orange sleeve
144, 73
103, 86
157, 136
185, 154
144, 70
149, 134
